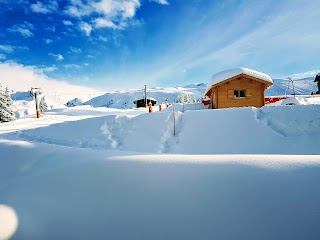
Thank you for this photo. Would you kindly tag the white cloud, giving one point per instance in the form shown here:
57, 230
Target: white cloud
307, 74
78, 9
68, 66
22, 78
75, 50
2, 56
104, 39
87, 28
112, 13
48, 41
49, 69
6, 48
163, 2
39, 7
117, 8
23, 31
59, 57
101, 22
67, 22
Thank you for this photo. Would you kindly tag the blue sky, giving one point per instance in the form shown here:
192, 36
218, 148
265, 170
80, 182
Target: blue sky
117, 44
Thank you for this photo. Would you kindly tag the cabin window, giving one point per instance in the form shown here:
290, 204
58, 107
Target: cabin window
239, 93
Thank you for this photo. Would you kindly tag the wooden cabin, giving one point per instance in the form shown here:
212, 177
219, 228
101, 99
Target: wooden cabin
239, 87
142, 102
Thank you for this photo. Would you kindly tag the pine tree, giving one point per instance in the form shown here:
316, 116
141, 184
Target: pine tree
8, 96
43, 104
6, 113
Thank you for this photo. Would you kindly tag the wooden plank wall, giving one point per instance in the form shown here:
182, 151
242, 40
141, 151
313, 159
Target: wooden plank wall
255, 90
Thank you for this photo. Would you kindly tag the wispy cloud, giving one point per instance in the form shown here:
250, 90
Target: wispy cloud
59, 57
280, 42
2, 56
10, 48
6, 48
87, 28
46, 69
75, 50
102, 22
163, 2
48, 41
103, 39
23, 29
307, 74
67, 22
70, 66
39, 7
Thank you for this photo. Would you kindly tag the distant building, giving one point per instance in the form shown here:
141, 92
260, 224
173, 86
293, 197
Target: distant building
239, 87
142, 103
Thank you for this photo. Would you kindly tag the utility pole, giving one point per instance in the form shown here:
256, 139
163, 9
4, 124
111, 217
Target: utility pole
35, 92
290, 80
145, 95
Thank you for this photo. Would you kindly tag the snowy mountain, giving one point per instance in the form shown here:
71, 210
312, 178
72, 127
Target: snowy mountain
124, 99
303, 86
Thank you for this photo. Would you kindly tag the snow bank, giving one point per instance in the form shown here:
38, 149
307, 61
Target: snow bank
74, 102
70, 193
269, 130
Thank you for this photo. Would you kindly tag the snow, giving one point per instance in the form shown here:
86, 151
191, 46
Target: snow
89, 172
224, 75
74, 102
125, 99
72, 193
268, 130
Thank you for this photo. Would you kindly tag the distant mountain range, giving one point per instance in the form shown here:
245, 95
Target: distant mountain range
124, 99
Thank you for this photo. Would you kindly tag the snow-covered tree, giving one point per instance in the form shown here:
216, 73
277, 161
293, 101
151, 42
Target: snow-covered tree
7, 95
185, 98
6, 113
43, 104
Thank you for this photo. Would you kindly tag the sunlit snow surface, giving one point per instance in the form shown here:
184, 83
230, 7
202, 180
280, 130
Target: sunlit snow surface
102, 173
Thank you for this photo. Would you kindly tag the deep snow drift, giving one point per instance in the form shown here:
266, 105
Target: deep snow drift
71, 193
269, 130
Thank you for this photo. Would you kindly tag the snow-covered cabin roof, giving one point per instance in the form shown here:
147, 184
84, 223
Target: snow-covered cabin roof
224, 75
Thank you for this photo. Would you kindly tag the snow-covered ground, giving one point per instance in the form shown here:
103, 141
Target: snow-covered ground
104, 173
72, 193
269, 130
